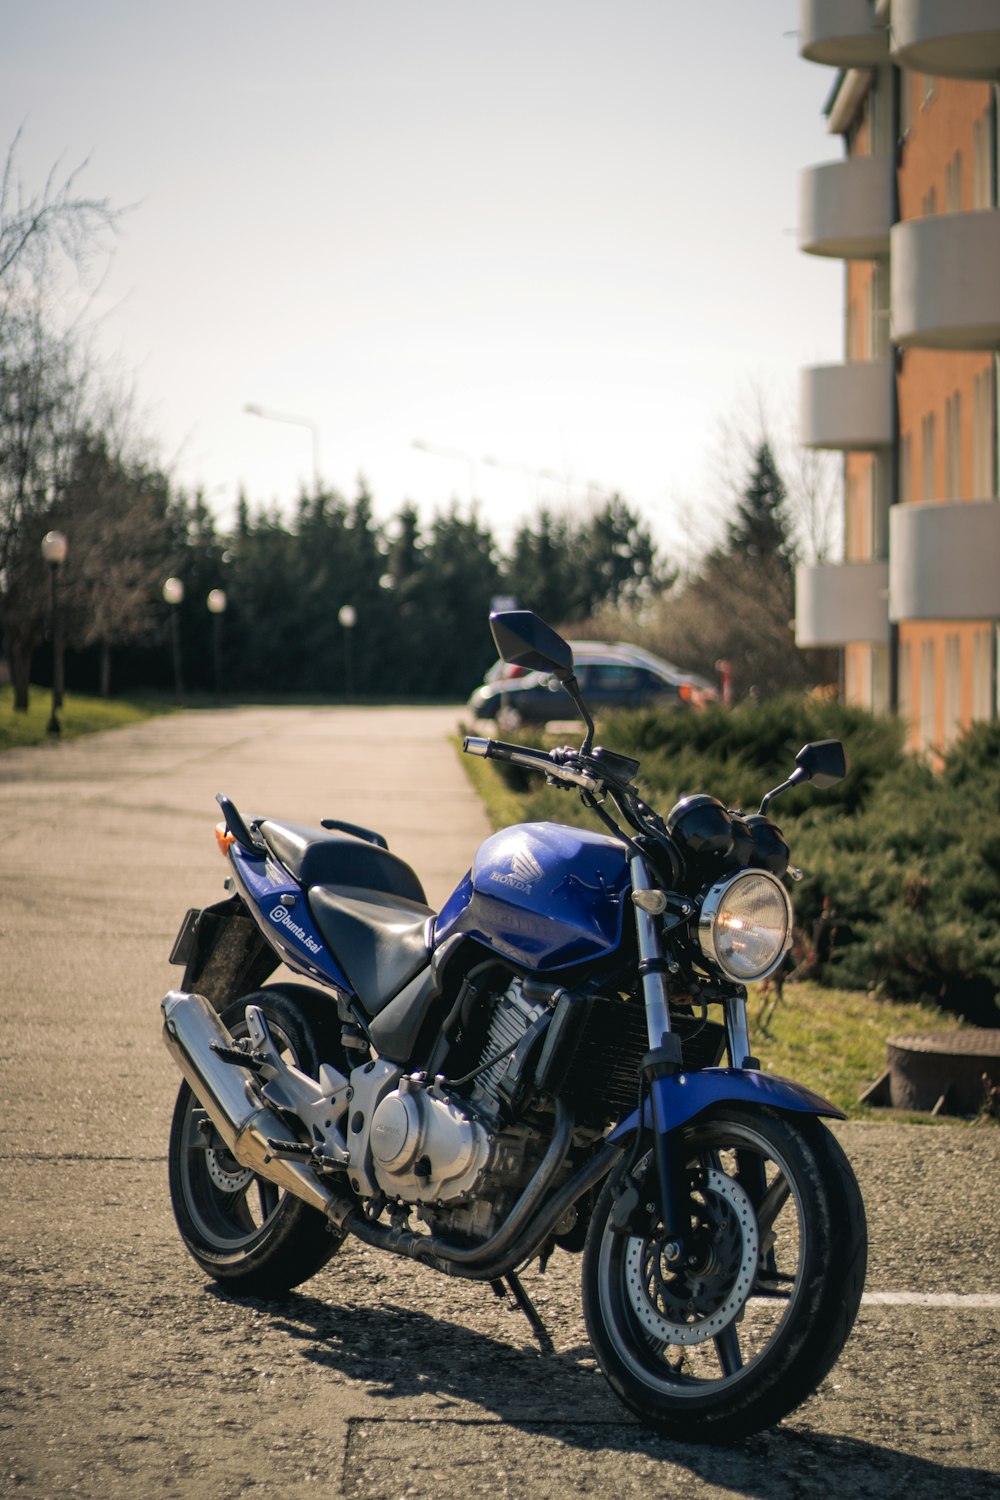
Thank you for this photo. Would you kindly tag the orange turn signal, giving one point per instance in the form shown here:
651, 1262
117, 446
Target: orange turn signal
223, 838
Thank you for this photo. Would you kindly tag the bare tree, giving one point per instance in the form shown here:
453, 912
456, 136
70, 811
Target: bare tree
40, 395
45, 376
57, 221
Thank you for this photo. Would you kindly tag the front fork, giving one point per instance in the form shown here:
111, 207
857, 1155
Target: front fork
663, 1060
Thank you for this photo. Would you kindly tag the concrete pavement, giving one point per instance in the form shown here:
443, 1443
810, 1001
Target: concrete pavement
125, 1372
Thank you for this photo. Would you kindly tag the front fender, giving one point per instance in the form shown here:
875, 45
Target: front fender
681, 1096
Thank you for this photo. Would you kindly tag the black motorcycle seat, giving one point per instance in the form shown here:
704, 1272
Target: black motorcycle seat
316, 856
379, 940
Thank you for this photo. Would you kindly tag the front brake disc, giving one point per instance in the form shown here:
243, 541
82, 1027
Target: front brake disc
680, 1306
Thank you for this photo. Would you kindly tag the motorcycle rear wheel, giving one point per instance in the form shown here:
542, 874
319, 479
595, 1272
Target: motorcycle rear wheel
243, 1231
715, 1350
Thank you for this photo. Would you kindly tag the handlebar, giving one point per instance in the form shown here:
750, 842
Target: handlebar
534, 760
604, 773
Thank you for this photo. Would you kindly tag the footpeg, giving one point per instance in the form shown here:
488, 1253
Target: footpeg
289, 1148
252, 1060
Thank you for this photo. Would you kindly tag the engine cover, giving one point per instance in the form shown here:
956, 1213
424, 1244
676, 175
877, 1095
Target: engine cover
425, 1148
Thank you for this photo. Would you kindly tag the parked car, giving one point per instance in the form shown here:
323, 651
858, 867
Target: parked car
611, 675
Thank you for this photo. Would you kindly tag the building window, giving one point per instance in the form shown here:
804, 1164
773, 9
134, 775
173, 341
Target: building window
880, 679
929, 205
952, 687
928, 457
881, 490
877, 332
953, 185
850, 676
983, 436
927, 90
906, 469
953, 447
905, 683
982, 674
926, 694
982, 163
851, 519
866, 514
907, 83
866, 677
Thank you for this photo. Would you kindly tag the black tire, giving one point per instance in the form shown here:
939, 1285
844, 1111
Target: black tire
718, 1352
245, 1232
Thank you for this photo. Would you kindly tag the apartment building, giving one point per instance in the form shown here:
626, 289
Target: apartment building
911, 208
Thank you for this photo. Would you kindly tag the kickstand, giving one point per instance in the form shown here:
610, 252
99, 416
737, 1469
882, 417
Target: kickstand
511, 1283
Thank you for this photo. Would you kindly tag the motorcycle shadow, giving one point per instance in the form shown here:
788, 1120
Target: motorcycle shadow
400, 1354
465, 1377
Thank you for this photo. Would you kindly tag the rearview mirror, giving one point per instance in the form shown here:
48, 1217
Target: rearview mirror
822, 762
524, 640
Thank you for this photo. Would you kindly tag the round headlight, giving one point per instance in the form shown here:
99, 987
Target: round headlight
745, 928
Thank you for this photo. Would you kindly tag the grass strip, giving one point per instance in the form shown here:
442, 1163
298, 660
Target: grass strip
78, 715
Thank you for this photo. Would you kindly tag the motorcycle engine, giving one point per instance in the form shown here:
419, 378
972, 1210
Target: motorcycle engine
433, 1147
425, 1147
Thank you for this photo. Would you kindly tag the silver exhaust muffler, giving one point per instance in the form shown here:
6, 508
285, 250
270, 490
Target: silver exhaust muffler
225, 1091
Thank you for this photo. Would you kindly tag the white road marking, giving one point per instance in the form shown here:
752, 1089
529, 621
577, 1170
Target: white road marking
931, 1299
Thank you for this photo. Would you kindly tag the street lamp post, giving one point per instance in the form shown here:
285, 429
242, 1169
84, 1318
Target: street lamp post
253, 410
347, 617
173, 594
217, 602
54, 549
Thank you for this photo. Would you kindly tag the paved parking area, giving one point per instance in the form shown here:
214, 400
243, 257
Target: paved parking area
124, 1373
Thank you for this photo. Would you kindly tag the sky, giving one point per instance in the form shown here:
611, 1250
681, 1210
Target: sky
555, 234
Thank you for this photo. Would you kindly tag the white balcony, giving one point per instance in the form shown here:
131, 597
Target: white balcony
841, 33
944, 560
845, 208
957, 39
847, 407
945, 281
840, 602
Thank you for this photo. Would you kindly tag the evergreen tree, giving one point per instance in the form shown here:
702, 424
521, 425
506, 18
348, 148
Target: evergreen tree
761, 526
567, 571
538, 573
614, 560
459, 576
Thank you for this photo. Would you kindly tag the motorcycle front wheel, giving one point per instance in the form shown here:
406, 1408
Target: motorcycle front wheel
729, 1338
244, 1231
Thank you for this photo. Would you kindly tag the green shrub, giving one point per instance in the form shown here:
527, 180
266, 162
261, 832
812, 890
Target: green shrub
912, 882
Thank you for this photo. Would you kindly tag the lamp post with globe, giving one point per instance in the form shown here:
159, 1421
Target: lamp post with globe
54, 549
173, 594
217, 602
347, 617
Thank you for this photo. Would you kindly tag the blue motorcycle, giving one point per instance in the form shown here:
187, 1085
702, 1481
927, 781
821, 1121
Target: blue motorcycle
531, 1069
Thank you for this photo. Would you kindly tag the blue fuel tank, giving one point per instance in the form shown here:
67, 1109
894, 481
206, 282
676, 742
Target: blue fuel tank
543, 896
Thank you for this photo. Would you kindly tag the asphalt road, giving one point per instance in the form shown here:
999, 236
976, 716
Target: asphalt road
124, 1373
